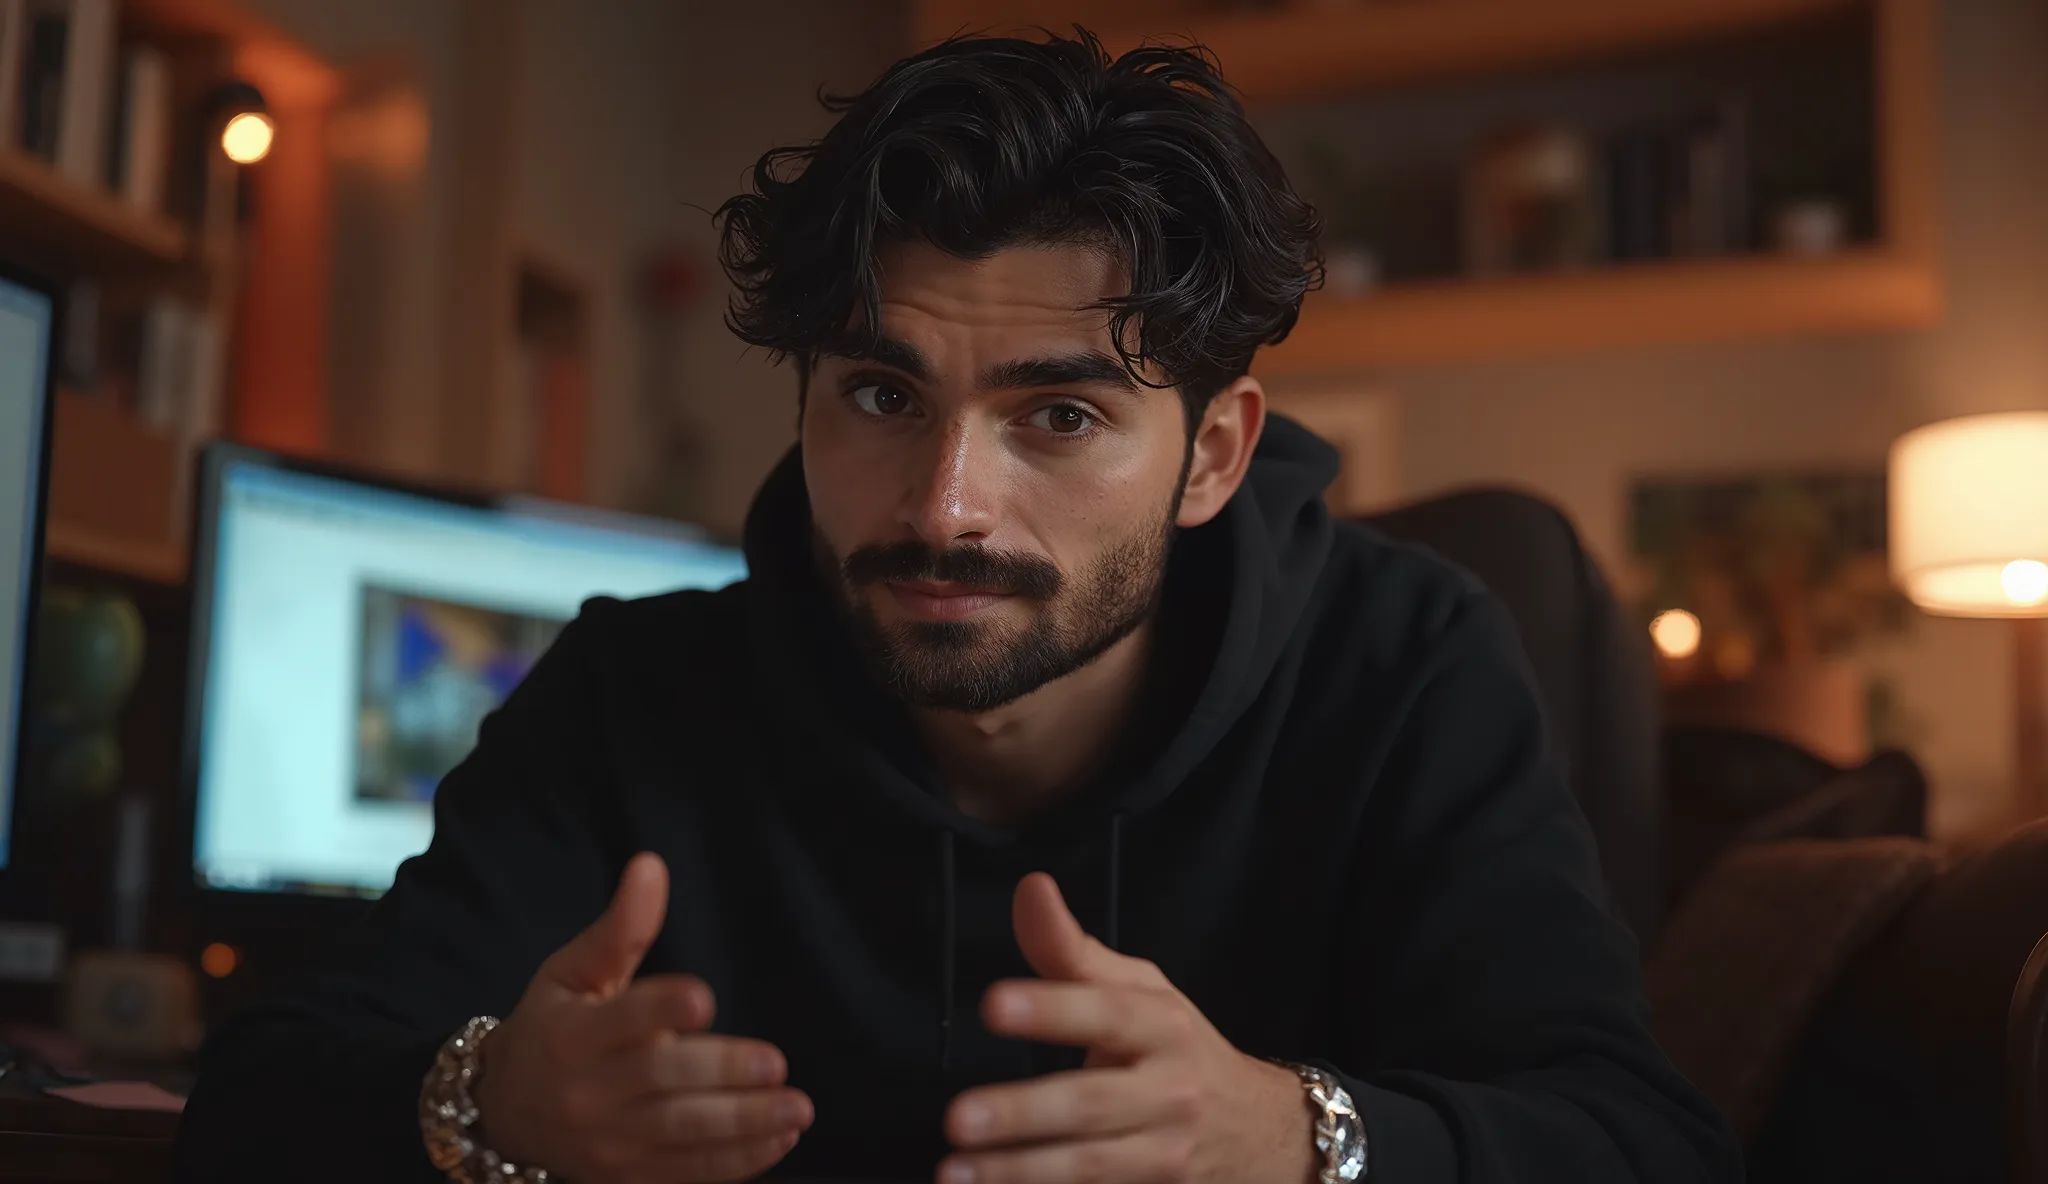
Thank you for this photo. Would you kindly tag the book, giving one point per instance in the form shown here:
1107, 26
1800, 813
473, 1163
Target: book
160, 363
1637, 191
1679, 188
88, 90
39, 101
78, 354
141, 140
179, 369
13, 31
1699, 214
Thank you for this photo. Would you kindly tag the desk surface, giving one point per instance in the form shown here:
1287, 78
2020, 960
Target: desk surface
53, 1139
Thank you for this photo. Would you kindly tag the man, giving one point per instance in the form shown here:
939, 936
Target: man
1059, 762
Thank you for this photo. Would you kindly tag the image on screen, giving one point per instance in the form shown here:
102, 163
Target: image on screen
432, 668
355, 638
25, 320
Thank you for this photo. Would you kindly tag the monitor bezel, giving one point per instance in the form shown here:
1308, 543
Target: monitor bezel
38, 542
215, 457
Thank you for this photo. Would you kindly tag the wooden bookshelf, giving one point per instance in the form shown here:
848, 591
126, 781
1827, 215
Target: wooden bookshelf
1617, 307
120, 489
80, 226
1306, 51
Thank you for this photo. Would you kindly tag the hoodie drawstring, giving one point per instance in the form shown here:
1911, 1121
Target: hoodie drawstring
949, 926
1114, 876
949, 922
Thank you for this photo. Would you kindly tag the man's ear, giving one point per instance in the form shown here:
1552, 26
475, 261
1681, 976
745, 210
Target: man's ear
1222, 450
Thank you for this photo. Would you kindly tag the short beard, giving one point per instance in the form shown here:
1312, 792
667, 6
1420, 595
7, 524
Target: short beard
966, 666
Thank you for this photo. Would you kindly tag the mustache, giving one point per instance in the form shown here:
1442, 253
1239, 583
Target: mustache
973, 565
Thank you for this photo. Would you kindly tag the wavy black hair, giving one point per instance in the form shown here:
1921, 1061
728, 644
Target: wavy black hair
982, 143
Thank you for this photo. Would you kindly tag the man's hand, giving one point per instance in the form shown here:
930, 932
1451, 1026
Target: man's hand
606, 1080
1162, 1096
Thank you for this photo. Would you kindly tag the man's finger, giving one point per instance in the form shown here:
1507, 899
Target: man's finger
674, 1063
1082, 1103
719, 1116
1119, 1159
1121, 1021
653, 1005
721, 1163
1058, 948
601, 959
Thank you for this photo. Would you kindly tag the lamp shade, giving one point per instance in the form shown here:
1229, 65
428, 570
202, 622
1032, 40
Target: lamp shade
1969, 515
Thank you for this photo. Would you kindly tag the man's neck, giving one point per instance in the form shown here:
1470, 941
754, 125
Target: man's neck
1018, 761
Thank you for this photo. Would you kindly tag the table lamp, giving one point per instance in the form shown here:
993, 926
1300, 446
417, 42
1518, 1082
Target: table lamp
1969, 538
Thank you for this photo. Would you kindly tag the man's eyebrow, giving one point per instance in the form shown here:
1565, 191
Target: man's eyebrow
886, 351
1088, 368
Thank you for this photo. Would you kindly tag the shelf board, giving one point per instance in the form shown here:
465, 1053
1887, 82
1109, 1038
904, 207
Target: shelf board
162, 563
53, 216
1307, 52
1617, 307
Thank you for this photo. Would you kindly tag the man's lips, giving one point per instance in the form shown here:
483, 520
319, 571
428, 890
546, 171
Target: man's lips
938, 601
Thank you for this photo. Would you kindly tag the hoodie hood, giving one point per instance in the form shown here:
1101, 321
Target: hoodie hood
1243, 580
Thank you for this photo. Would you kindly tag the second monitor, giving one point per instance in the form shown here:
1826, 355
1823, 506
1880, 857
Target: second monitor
348, 639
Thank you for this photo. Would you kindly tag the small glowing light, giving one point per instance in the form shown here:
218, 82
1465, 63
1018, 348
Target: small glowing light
2025, 581
218, 960
1677, 632
247, 137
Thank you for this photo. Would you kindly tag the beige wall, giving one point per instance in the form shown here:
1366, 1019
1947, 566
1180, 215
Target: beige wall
1578, 430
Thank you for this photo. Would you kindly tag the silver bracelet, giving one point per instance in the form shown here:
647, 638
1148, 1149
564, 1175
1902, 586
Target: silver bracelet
1340, 1132
448, 1115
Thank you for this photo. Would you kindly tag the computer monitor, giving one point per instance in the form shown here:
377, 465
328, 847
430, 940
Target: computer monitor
348, 637
28, 314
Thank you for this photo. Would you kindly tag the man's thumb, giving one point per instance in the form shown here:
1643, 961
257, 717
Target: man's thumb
601, 959
1051, 939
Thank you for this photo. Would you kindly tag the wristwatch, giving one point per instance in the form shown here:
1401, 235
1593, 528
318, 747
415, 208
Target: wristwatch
448, 1114
1340, 1133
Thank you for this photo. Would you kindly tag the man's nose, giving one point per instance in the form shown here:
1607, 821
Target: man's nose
952, 496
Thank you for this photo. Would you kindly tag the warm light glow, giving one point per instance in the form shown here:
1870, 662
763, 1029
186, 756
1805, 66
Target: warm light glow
2025, 581
1677, 634
1969, 515
218, 960
247, 137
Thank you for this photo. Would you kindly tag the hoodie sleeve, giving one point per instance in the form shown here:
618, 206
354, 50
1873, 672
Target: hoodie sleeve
321, 1081
1501, 1033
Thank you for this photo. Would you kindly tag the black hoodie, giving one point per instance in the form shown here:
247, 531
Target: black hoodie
1344, 840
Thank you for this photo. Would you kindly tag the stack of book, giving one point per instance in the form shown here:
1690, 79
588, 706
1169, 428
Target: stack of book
74, 95
1678, 188
96, 108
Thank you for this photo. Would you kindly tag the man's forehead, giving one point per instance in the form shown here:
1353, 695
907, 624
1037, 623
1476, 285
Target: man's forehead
1066, 283
1030, 315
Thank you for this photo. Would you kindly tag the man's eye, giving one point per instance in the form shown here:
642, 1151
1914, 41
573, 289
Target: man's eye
1062, 419
880, 398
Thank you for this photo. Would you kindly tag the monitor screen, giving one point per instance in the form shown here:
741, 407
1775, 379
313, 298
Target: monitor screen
348, 639
26, 317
